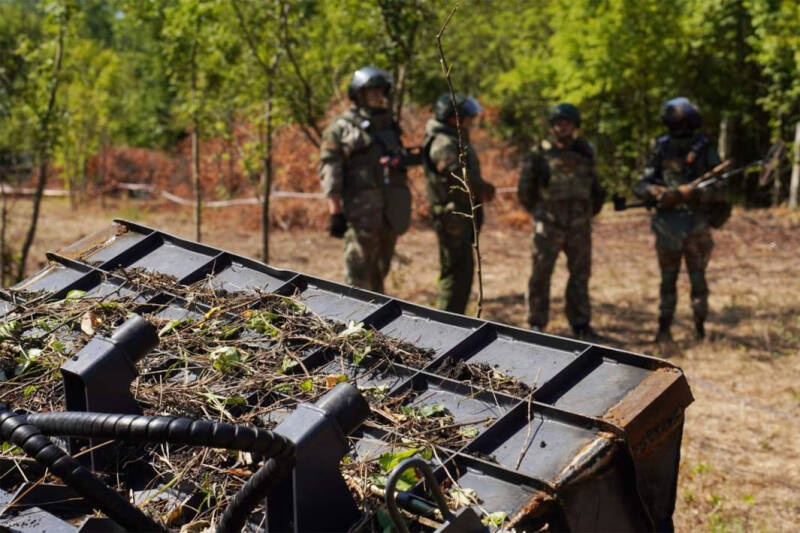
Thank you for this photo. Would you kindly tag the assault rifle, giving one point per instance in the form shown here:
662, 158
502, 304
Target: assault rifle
717, 175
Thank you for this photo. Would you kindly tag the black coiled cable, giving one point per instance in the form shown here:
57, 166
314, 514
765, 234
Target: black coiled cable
29, 438
178, 430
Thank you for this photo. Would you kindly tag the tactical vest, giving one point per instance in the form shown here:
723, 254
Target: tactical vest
364, 145
365, 178
681, 161
569, 172
440, 185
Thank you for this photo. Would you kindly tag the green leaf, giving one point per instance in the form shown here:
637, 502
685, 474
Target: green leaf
225, 358
389, 460
58, 346
30, 389
495, 519
10, 330
306, 385
75, 294
359, 355
427, 411
287, 363
172, 324
468, 432
463, 496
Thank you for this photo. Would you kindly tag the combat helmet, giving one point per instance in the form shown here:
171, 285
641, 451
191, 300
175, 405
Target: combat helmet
680, 114
467, 107
564, 111
368, 77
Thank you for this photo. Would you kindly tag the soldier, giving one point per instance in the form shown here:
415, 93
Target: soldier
681, 222
363, 173
447, 197
559, 187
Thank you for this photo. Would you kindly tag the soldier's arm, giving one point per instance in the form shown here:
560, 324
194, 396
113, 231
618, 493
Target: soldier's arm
444, 157
716, 192
649, 186
481, 188
331, 168
598, 194
528, 188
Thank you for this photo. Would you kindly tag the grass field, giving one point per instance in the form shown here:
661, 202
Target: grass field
741, 456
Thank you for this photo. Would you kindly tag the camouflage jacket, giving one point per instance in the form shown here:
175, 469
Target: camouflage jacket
374, 194
559, 185
440, 157
674, 161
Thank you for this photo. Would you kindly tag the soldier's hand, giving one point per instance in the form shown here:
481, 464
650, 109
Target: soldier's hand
655, 191
669, 198
338, 225
685, 191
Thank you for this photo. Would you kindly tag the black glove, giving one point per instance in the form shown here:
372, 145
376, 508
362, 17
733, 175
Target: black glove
337, 225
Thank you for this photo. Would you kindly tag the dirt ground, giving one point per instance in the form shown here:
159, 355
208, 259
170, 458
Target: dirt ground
740, 466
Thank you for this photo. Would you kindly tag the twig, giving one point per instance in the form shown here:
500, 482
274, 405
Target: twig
526, 443
463, 179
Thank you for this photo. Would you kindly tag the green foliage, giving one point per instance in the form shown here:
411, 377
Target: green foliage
141, 73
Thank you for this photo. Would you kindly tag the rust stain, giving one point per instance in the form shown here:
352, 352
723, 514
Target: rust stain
93, 242
537, 506
654, 400
592, 458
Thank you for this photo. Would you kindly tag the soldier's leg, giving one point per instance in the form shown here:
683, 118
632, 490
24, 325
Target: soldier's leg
388, 240
456, 263
698, 254
547, 242
578, 248
669, 262
361, 259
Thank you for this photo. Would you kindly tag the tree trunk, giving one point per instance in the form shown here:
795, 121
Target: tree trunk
266, 175
794, 188
725, 140
43, 149
3, 220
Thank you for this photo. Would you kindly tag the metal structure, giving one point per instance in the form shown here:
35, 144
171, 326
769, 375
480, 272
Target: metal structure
595, 446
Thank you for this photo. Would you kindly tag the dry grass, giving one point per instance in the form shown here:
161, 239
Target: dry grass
740, 468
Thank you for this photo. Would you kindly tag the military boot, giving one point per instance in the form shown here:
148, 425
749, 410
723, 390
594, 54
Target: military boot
584, 332
700, 329
664, 334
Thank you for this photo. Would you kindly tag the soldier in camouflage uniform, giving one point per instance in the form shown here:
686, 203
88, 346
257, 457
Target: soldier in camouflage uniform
447, 197
681, 221
559, 187
363, 173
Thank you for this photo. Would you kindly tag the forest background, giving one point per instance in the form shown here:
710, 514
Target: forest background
221, 99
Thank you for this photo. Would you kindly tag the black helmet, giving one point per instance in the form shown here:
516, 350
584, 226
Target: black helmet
564, 111
680, 114
467, 107
367, 77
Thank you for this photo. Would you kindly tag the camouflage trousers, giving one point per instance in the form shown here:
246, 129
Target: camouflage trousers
368, 256
456, 263
696, 251
548, 241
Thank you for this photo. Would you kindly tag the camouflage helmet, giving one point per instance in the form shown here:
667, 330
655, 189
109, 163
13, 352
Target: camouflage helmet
366, 78
564, 111
680, 114
467, 107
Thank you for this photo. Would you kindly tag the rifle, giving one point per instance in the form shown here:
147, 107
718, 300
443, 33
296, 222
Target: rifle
768, 164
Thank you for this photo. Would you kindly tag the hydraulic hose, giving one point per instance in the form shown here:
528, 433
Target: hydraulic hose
29, 438
162, 429
177, 430
254, 491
